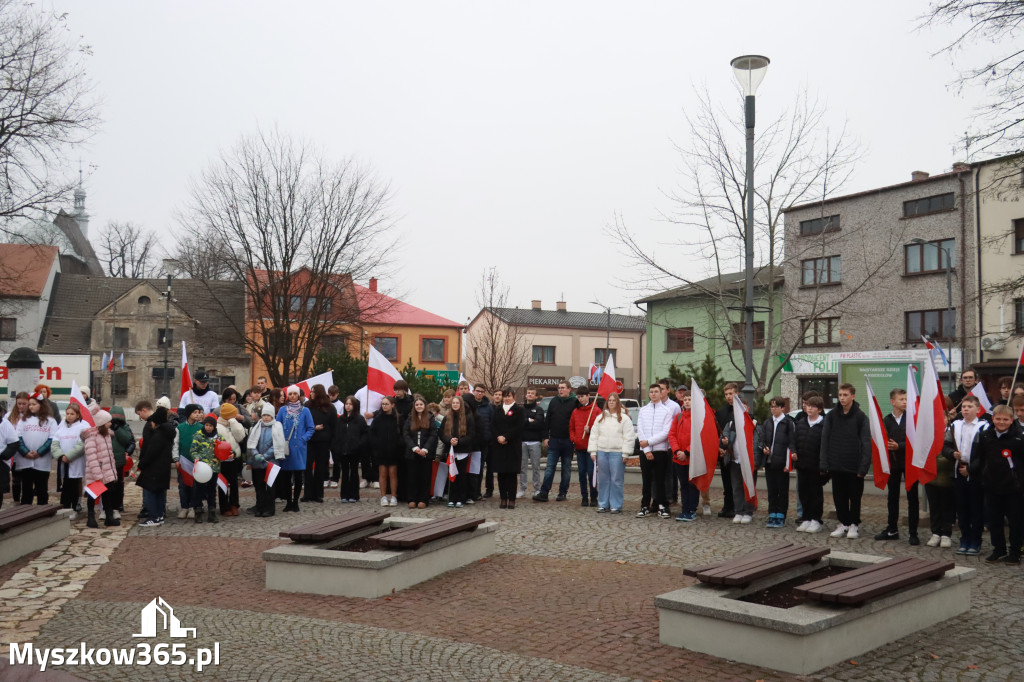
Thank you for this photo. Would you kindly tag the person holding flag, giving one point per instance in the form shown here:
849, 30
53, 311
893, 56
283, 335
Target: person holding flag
846, 457
264, 448
679, 438
181, 455
738, 439
580, 423
199, 392
895, 424
458, 432
958, 446
100, 468
202, 451
611, 444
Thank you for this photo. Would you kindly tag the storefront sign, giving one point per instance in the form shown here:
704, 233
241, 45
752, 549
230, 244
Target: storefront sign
57, 372
828, 363
543, 382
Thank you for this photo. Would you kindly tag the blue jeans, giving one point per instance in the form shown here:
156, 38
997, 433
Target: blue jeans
155, 502
585, 467
559, 450
611, 473
689, 496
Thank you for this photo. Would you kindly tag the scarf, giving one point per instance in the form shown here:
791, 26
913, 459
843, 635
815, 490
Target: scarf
293, 409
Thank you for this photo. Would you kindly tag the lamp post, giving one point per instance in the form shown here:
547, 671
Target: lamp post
949, 294
608, 329
749, 71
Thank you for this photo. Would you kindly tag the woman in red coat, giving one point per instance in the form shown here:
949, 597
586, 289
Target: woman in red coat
679, 440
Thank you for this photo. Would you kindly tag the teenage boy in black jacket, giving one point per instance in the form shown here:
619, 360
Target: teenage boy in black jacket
534, 429
999, 463
846, 455
896, 428
722, 417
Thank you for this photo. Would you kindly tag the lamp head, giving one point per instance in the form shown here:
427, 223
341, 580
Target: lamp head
749, 70
918, 240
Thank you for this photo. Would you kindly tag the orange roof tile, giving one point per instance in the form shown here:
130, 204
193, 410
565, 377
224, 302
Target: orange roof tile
25, 267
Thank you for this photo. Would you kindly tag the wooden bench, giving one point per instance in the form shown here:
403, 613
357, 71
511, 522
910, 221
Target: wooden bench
415, 535
328, 529
870, 582
745, 569
23, 513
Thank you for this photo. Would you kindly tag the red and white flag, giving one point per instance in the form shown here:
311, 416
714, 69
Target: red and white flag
186, 376
381, 376
930, 427
703, 439
453, 470
440, 474
789, 461
185, 466
910, 419
607, 385
95, 489
78, 399
110, 361
979, 392
326, 380
271, 474
879, 440
744, 447
222, 483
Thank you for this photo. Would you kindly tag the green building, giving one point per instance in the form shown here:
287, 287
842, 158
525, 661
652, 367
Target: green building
686, 323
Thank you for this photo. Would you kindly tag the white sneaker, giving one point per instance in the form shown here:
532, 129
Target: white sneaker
334, 484
375, 485
393, 502
707, 510
839, 532
521, 494
191, 513
117, 515
183, 513
815, 527
327, 484
384, 501
945, 542
363, 483
934, 540
852, 534
738, 518
746, 518
802, 528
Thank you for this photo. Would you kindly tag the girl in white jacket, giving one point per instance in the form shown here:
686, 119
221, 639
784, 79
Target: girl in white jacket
69, 448
611, 444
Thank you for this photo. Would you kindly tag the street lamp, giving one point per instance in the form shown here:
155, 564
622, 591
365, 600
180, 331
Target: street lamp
749, 71
949, 293
608, 329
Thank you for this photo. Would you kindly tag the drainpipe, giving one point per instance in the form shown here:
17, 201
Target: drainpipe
963, 275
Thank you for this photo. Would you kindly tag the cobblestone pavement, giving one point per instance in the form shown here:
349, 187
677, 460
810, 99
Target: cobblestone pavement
567, 596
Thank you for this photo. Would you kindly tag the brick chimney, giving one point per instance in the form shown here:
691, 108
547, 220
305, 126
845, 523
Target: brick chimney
960, 167
373, 284
918, 175
560, 306
535, 304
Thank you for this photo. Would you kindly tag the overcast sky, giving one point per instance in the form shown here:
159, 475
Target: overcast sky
513, 132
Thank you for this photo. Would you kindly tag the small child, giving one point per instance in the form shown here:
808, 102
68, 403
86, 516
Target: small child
203, 451
998, 463
68, 449
1018, 410
182, 449
266, 443
961, 439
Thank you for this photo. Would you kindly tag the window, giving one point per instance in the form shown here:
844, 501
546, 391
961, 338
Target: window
120, 337
1018, 316
145, 300
164, 338
8, 328
819, 225
432, 350
1018, 235
820, 271
937, 324
738, 335
935, 204
930, 257
334, 343
544, 355
388, 346
601, 357
822, 332
679, 340
119, 383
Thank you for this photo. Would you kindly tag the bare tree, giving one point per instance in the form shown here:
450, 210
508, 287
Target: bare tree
204, 257
999, 125
299, 229
45, 107
499, 351
127, 250
798, 161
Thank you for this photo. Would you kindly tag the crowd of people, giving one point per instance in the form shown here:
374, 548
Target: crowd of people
420, 453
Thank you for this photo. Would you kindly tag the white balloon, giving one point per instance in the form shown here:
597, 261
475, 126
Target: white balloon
202, 472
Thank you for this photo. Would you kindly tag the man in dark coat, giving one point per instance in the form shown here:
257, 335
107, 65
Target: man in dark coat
155, 460
846, 455
896, 428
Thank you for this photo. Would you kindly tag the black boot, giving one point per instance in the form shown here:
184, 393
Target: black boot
109, 519
91, 507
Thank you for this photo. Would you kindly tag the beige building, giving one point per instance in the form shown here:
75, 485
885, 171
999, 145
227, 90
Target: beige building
559, 344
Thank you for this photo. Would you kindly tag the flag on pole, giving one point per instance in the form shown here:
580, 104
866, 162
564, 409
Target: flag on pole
222, 483
910, 419
103, 362
439, 474
595, 372
453, 470
607, 385
979, 392
95, 489
271, 474
931, 425
79, 399
122, 360
744, 447
462, 378
381, 376
703, 439
110, 361
185, 467
186, 376
879, 440
326, 380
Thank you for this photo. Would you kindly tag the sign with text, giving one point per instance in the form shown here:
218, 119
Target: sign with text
57, 372
543, 382
884, 376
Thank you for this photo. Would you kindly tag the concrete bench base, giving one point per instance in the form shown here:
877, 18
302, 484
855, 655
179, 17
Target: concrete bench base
317, 569
809, 637
34, 535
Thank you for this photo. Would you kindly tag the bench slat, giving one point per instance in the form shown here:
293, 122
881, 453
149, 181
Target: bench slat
22, 514
839, 582
869, 582
692, 572
893, 583
756, 563
412, 537
747, 576
331, 528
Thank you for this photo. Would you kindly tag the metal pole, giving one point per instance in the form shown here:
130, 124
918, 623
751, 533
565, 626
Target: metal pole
748, 272
949, 312
167, 346
608, 337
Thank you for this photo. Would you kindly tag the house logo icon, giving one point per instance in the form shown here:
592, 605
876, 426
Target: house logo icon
158, 615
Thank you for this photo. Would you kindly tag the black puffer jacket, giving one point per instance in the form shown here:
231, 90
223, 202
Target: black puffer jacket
807, 440
535, 427
846, 442
991, 461
351, 436
559, 413
327, 418
155, 453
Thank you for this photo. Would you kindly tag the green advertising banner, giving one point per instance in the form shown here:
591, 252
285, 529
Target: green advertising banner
884, 375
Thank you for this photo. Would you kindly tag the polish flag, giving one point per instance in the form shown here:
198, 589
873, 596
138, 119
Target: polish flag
453, 470
789, 461
79, 399
186, 376
910, 419
462, 378
979, 392
110, 361
95, 489
607, 385
103, 361
185, 466
930, 427
879, 440
703, 439
381, 376
326, 380
744, 446
271, 475
439, 478
222, 483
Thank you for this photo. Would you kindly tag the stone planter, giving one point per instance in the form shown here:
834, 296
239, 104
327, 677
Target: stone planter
318, 569
810, 636
38, 534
